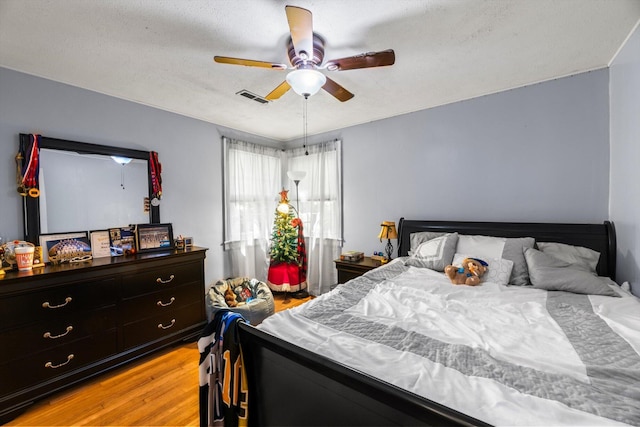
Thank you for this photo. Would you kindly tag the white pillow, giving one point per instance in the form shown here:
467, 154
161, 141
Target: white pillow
481, 246
498, 270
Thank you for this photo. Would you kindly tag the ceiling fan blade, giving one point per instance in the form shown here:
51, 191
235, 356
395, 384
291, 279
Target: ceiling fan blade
336, 90
278, 92
249, 62
301, 28
364, 60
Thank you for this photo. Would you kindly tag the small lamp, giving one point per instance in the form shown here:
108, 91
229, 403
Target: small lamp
296, 177
388, 231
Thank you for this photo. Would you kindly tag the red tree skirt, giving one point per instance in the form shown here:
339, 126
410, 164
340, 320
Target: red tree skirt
285, 277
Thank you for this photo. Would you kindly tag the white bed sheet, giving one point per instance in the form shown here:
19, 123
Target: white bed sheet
491, 316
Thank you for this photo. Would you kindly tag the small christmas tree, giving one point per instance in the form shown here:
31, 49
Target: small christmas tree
284, 238
288, 258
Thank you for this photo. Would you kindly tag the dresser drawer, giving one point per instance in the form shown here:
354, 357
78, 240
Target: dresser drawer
162, 324
162, 278
46, 335
148, 305
37, 368
51, 303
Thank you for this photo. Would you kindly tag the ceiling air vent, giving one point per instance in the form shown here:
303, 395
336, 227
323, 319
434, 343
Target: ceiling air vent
252, 96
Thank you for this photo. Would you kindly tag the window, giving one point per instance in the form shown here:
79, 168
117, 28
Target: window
251, 184
253, 177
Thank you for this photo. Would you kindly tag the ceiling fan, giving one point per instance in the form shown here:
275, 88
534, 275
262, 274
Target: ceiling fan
306, 53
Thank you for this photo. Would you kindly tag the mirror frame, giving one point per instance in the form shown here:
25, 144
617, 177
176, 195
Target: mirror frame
31, 205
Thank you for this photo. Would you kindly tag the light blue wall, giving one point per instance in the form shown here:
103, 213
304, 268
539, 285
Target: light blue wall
539, 153
625, 158
189, 151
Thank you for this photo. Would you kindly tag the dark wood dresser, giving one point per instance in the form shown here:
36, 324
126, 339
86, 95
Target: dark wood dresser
60, 325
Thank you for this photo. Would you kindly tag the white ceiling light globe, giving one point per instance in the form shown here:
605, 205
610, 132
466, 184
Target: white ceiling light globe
306, 82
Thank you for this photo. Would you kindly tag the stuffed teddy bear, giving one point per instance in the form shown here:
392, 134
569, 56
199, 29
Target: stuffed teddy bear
230, 297
469, 273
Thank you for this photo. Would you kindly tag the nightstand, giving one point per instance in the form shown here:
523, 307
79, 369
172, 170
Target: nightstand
348, 270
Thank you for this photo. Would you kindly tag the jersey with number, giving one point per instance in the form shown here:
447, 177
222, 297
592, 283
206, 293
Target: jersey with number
223, 383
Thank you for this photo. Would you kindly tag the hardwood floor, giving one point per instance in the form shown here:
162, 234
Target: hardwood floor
283, 301
160, 390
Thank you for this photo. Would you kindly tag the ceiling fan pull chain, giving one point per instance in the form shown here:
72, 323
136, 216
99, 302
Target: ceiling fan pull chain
305, 126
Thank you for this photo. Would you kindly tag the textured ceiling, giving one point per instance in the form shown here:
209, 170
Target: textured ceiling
160, 52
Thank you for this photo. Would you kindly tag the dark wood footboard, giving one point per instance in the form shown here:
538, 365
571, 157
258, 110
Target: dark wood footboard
291, 386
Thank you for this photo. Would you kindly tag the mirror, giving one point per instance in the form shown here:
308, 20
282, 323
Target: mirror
83, 188
90, 191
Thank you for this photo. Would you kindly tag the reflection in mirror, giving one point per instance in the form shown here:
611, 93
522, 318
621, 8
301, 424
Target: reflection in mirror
87, 197
90, 191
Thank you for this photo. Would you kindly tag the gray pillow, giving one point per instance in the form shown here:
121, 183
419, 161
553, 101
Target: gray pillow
420, 237
436, 253
514, 249
553, 274
578, 256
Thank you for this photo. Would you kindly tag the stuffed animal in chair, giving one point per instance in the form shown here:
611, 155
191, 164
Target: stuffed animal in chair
230, 297
469, 273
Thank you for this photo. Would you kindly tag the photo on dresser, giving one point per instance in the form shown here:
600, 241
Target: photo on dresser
100, 243
154, 237
65, 247
122, 240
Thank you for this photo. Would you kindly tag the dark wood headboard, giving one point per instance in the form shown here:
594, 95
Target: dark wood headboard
599, 237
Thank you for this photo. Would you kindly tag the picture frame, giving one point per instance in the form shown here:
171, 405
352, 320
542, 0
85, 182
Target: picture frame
122, 240
100, 243
154, 237
188, 242
65, 247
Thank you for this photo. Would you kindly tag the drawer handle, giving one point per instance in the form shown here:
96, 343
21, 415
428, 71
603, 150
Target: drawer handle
53, 337
163, 304
159, 280
161, 326
52, 366
47, 304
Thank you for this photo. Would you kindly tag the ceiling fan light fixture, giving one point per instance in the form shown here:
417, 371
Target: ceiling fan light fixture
306, 82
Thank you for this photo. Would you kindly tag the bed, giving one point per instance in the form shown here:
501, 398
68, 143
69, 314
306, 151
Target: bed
401, 345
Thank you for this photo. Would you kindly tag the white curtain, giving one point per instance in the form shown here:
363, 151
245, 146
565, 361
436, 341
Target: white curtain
253, 177
252, 181
320, 201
